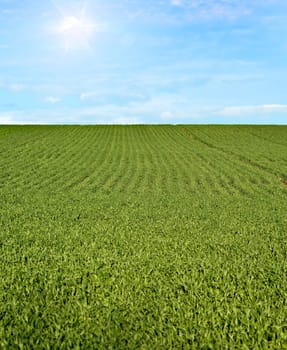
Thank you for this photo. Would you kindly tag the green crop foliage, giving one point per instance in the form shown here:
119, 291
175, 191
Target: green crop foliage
143, 237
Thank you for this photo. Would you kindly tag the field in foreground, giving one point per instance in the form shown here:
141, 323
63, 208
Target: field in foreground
143, 237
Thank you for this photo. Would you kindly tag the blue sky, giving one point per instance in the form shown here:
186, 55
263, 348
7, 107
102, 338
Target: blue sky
136, 61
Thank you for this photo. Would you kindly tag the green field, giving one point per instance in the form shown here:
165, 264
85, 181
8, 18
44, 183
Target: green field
143, 237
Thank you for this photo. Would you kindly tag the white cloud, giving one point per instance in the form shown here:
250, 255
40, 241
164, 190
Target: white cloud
214, 9
176, 2
122, 120
6, 119
52, 100
252, 110
88, 95
159, 109
191, 10
167, 115
163, 107
16, 87
107, 93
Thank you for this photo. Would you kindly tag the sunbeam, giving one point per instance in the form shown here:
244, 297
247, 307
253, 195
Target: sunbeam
75, 29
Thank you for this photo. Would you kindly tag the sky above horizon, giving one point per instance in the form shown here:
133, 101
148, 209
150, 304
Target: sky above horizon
135, 61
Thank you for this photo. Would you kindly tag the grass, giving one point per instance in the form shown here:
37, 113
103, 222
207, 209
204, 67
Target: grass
143, 237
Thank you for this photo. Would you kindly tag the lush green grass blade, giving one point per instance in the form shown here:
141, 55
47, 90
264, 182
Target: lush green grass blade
143, 237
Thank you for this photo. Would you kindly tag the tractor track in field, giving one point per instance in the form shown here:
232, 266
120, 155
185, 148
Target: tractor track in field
241, 158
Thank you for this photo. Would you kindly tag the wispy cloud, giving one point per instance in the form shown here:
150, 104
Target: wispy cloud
163, 109
213, 9
120, 121
176, 2
253, 110
6, 119
16, 87
154, 107
52, 100
174, 108
103, 95
13, 87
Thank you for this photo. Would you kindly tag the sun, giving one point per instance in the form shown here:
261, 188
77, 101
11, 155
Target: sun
75, 32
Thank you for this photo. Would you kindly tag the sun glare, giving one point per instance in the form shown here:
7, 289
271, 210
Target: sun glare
76, 32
